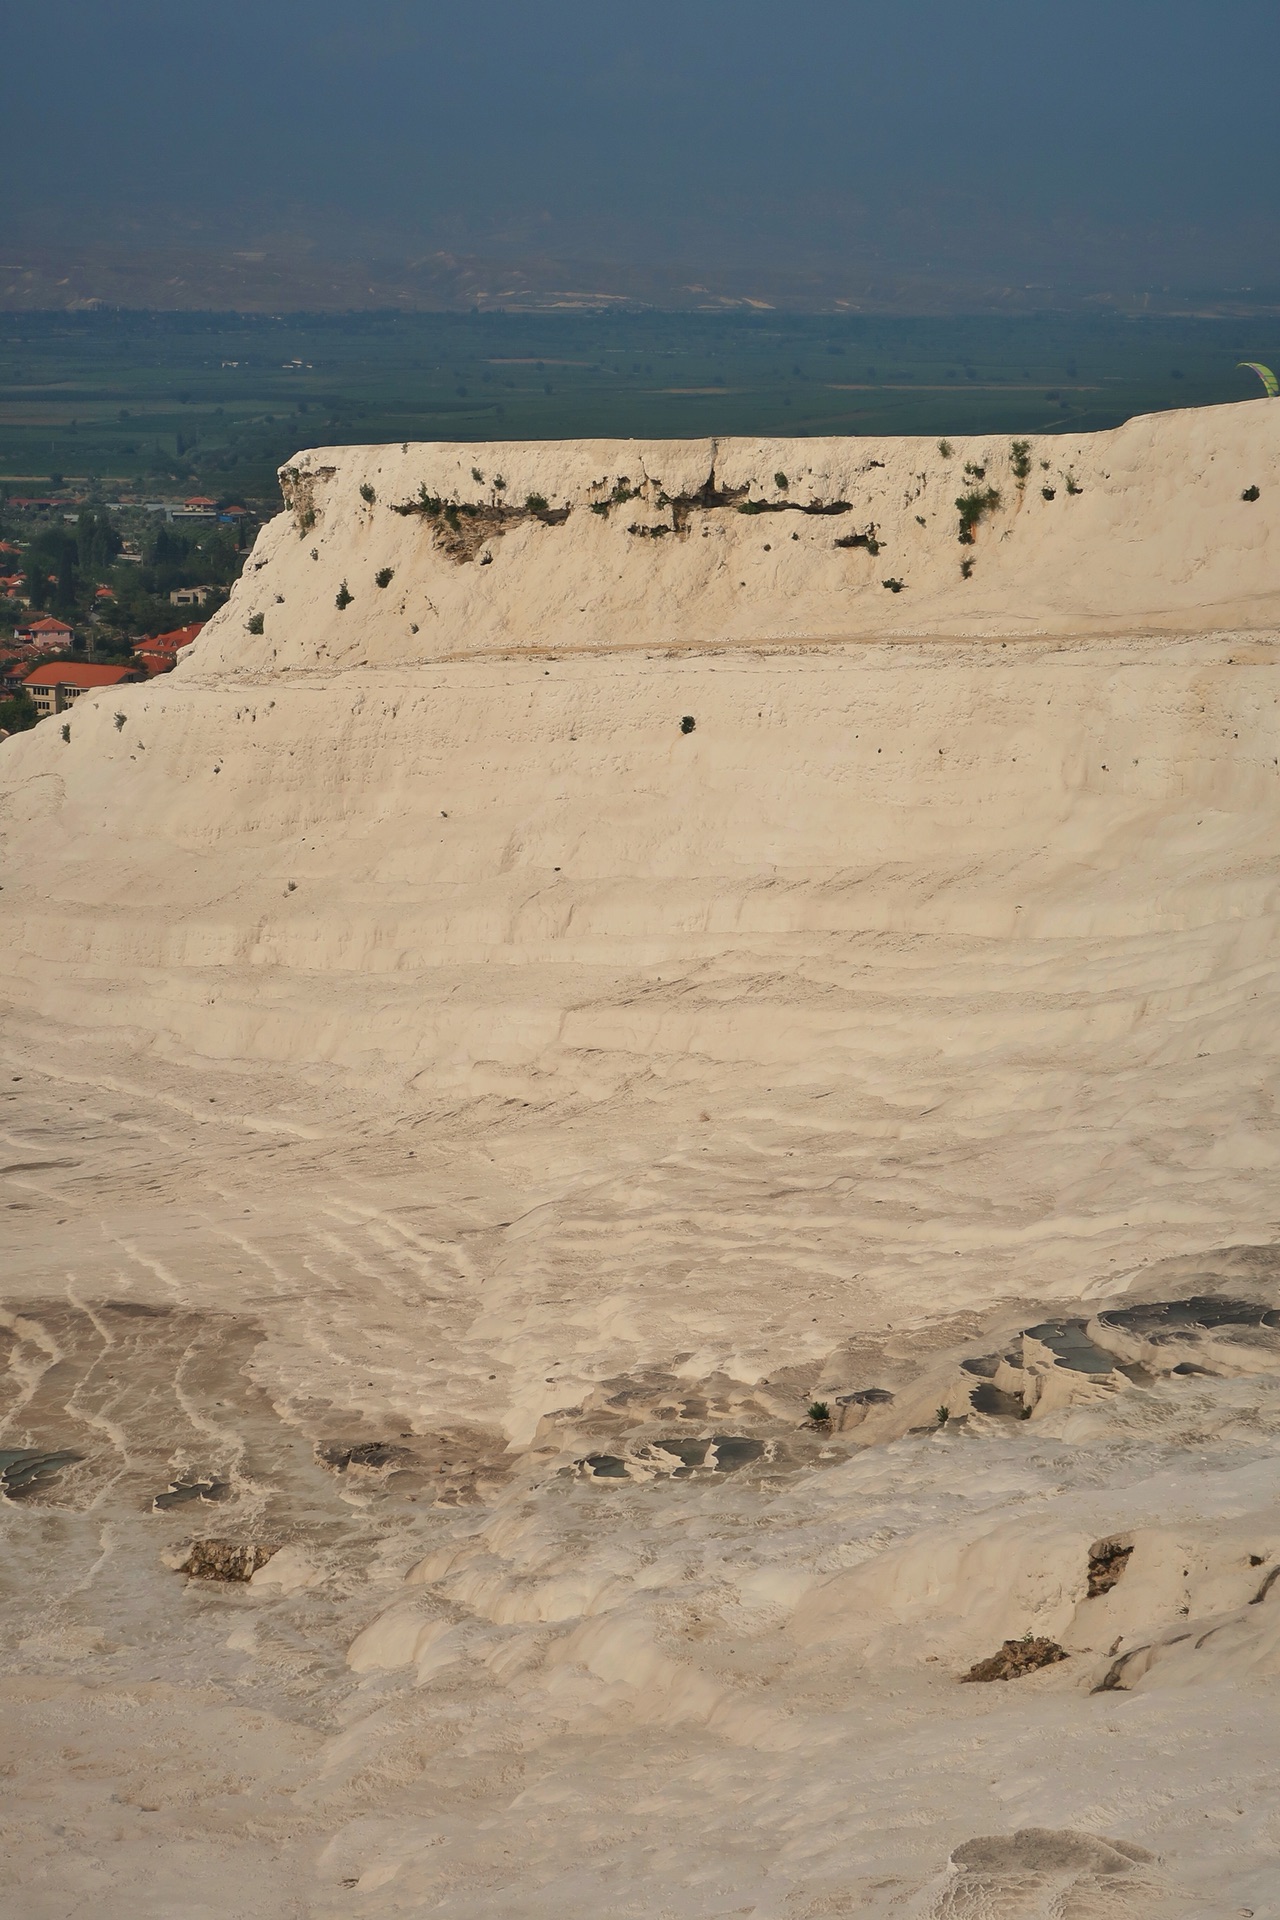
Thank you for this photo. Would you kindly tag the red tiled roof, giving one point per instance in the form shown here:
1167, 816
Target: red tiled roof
178, 637
47, 625
71, 673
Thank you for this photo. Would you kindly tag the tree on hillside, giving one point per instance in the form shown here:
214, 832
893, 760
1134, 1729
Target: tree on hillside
66, 600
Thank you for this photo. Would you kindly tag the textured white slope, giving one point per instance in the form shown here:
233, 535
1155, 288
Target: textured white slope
462, 1055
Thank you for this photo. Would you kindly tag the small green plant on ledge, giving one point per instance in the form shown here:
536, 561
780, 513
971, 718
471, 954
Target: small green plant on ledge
944, 1414
367, 494
893, 585
119, 720
1048, 493
946, 449
1020, 459
781, 481
255, 623
343, 598
966, 569
477, 476
975, 472
1073, 485
820, 1413
535, 503
973, 508
66, 731
1251, 493
384, 576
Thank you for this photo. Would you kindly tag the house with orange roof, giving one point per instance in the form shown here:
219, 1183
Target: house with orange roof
45, 632
60, 684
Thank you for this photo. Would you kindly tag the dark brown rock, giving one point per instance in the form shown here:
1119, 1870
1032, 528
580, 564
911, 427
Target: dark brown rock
1017, 1657
225, 1559
1107, 1561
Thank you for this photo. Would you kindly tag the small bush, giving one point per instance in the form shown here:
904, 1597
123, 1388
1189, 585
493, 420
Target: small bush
66, 731
1020, 459
894, 586
819, 1413
1073, 485
343, 598
966, 569
367, 494
944, 1414
973, 508
976, 472
535, 503
384, 576
499, 484
946, 449
601, 507
119, 719
477, 476
1048, 493
688, 723
781, 481
1251, 493
255, 623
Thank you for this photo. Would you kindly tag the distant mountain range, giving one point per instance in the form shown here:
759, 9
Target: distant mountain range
266, 280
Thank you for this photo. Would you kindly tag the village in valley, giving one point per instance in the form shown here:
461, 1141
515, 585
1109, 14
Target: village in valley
98, 591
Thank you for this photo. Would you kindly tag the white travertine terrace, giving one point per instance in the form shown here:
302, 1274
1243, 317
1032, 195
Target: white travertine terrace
451, 1050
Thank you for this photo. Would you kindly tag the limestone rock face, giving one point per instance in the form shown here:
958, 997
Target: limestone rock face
594, 975
940, 892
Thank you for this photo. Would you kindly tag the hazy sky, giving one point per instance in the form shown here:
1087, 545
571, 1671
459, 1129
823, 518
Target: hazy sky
1025, 135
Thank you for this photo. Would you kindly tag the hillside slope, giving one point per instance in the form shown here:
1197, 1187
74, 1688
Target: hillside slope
970, 937
482, 1059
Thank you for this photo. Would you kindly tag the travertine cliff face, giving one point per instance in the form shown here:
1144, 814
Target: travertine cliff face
988, 915
483, 1057
623, 544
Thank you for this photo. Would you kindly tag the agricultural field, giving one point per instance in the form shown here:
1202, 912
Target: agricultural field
216, 402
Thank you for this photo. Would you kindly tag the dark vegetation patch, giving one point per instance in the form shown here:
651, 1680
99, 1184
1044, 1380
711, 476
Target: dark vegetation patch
973, 509
866, 539
461, 528
817, 508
